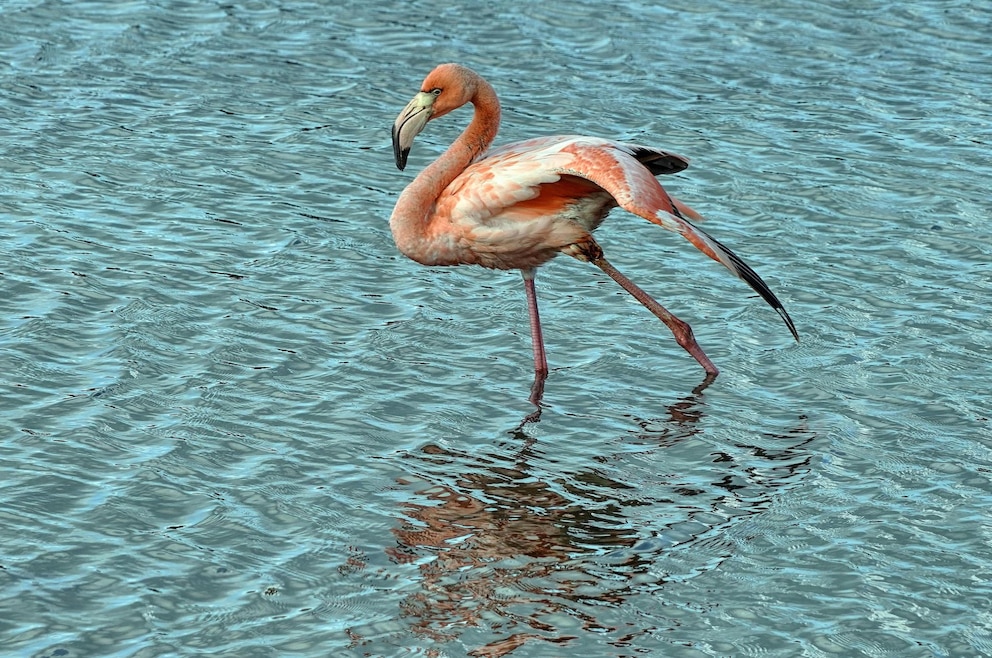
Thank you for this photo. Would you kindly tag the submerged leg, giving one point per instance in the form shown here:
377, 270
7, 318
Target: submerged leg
682, 330
537, 338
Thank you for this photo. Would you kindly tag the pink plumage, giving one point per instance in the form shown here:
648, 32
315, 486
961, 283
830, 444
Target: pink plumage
522, 204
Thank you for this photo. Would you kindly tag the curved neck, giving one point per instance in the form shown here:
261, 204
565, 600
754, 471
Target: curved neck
478, 135
415, 206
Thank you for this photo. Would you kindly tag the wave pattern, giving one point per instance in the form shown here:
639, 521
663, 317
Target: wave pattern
238, 423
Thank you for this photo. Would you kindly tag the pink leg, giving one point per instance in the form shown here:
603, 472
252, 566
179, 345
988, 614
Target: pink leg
537, 338
682, 331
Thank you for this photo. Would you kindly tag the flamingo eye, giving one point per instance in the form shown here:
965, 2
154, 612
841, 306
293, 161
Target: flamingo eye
436, 91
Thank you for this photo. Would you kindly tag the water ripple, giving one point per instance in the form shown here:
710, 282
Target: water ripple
238, 422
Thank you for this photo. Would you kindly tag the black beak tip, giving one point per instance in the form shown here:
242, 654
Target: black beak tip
401, 157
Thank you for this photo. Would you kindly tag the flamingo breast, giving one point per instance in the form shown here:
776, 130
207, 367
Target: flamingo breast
530, 230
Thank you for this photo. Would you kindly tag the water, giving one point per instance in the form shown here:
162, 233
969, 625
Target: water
236, 422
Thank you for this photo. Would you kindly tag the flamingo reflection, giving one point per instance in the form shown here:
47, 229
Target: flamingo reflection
513, 545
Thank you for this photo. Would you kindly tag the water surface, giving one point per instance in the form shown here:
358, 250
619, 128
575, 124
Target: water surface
237, 422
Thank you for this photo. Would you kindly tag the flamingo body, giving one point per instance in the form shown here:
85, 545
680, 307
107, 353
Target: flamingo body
520, 205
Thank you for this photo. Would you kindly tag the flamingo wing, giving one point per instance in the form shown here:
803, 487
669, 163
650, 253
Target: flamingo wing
513, 208
523, 171
519, 205
618, 171
510, 203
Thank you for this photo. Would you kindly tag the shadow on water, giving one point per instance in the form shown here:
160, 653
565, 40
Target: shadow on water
513, 543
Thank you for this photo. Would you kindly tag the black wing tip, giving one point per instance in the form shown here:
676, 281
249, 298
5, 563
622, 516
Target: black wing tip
759, 286
788, 321
659, 162
745, 272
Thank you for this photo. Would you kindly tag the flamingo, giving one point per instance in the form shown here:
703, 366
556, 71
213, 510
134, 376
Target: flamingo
522, 204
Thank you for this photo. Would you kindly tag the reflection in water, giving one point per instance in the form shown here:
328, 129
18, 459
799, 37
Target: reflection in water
508, 541
537, 395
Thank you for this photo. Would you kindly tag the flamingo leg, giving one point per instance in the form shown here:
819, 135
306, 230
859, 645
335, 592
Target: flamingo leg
681, 329
537, 338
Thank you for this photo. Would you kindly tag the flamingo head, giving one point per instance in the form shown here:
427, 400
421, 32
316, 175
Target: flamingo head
446, 88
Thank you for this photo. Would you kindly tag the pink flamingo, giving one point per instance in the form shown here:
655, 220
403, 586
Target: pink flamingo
519, 206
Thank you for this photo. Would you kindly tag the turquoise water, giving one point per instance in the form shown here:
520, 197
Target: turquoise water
237, 423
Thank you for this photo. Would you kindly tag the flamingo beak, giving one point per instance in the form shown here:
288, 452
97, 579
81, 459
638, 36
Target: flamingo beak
408, 125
